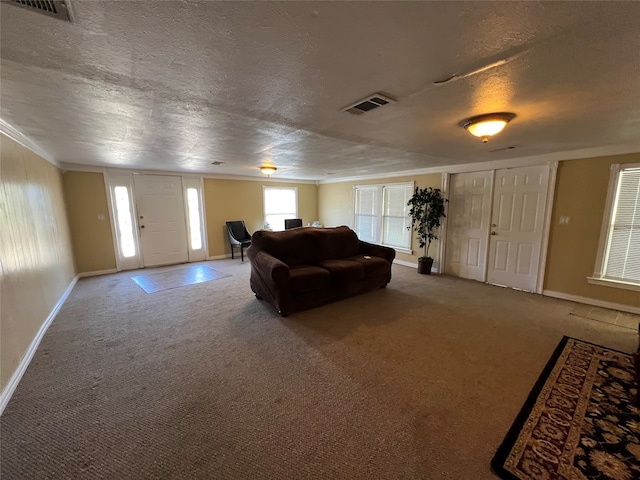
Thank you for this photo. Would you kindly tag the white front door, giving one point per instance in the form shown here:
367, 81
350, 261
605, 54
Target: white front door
468, 224
161, 219
517, 223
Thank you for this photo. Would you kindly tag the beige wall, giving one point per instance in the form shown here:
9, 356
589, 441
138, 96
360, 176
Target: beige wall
581, 191
227, 200
335, 207
35, 247
86, 198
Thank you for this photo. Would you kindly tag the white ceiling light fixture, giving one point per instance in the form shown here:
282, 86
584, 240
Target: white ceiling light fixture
268, 170
485, 126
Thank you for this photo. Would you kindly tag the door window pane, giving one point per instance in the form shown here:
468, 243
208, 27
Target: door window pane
193, 205
125, 222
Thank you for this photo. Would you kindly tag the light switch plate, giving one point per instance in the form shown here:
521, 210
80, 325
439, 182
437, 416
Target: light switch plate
565, 220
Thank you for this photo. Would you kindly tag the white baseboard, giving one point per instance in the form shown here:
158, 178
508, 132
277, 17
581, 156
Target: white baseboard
592, 301
412, 264
97, 272
6, 394
406, 264
220, 257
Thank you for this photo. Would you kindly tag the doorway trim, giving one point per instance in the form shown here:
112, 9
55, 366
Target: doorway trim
109, 173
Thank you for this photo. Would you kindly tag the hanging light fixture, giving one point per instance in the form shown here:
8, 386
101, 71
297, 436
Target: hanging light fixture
267, 170
484, 126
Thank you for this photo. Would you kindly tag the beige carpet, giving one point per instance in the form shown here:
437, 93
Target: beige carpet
421, 380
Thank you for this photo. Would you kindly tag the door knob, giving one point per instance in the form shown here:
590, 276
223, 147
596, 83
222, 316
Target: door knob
142, 226
492, 233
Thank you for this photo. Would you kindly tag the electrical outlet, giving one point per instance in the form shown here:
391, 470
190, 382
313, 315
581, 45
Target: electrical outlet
101, 217
565, 220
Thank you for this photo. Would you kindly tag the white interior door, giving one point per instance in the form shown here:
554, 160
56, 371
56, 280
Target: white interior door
517, 226
161, 219
468, 219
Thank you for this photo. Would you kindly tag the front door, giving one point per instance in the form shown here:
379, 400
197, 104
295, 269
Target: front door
161, 219
517, 224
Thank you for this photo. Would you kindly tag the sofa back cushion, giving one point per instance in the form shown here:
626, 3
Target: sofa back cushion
307, 246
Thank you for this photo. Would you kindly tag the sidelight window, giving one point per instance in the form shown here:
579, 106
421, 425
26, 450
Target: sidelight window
124, 219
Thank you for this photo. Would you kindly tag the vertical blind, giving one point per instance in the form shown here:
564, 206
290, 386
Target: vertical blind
382, 214
623, 248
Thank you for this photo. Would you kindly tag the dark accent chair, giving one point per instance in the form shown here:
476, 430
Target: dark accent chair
238, 237
292, 223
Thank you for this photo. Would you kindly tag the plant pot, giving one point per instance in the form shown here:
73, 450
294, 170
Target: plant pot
424, 266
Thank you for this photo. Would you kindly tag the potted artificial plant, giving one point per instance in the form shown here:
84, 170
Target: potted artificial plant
427, 210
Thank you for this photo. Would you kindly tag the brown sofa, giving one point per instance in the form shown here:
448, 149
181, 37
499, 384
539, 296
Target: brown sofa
307, 267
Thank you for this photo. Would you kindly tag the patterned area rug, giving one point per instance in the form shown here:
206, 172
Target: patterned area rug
179, 277
578, 422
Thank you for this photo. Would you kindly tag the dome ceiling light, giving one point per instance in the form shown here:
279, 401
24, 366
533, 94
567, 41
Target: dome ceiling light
484, 126
268, 171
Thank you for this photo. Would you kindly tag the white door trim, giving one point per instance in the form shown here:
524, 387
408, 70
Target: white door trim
546, 231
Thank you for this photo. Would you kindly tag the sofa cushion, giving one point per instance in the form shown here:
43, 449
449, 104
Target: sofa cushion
373, 266
337, 243
343, 270
304, 246
307, 278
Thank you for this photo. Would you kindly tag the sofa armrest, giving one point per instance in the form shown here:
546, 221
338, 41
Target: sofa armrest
270, 268
387, 253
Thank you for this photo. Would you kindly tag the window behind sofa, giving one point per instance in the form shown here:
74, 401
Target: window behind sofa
382, 214
280, 203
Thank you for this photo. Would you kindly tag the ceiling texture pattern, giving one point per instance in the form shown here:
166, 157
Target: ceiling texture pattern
176, 85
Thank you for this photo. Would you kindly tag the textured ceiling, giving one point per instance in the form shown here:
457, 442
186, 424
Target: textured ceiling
176, 85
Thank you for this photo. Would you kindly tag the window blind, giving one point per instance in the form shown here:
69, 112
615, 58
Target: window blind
366, 213
623, 248
395, 217
382, 214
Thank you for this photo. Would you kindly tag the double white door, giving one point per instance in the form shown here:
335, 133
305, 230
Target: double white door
495, 225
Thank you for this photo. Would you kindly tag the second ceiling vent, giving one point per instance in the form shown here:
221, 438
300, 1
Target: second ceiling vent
376, 100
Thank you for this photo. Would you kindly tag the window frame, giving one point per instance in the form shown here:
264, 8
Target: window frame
264, 202
197, 183
598, 277
379, 209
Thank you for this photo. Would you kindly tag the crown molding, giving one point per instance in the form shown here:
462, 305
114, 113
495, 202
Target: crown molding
547, 158
457, 168
76, 167
26, 142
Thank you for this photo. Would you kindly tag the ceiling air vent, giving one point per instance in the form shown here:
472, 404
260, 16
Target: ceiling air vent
370, 103
54, 8
216, 163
